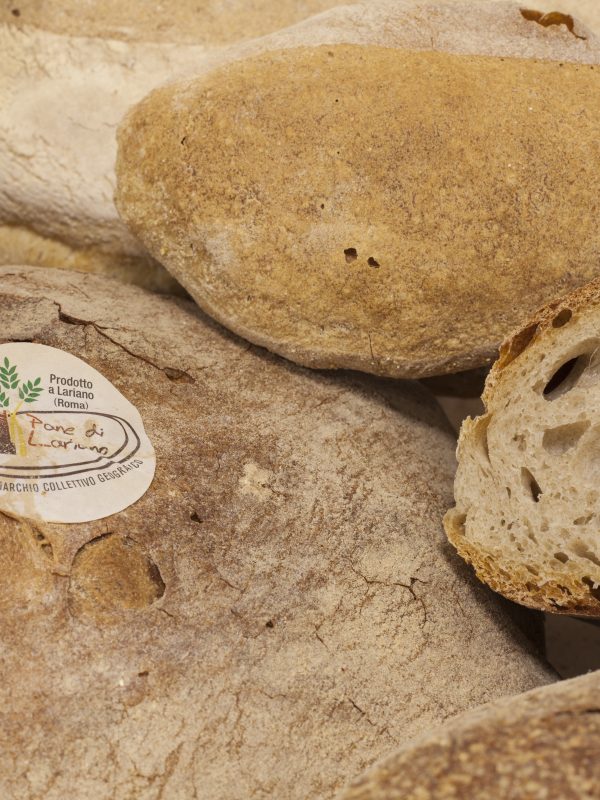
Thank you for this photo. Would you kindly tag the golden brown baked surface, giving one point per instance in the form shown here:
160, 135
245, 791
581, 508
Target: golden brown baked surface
544, 744
384, 208
277, 611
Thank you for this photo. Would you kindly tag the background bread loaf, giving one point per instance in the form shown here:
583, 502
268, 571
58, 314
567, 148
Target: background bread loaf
544, 744
278, 610
441, 155
69, 71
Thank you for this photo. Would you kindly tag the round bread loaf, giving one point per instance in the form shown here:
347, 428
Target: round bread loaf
544, 745
387, 188
277, 611
69, 71
526, 490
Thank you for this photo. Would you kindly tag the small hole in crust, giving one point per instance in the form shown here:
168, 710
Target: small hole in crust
519, 438
562, 557
15, 12
373, 262
581, 370
559, 381
593, 587
351, 254
530, 483
480, 433
562, 318
564, 437
583, 551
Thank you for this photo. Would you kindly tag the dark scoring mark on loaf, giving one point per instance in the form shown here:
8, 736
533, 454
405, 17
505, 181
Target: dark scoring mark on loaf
562, 318
551, 18
112, 574
178, 375
530, 484
351, 254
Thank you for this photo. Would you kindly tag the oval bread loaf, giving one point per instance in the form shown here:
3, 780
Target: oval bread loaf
526, 490
69, 71
388, 188
544, 744
277, 611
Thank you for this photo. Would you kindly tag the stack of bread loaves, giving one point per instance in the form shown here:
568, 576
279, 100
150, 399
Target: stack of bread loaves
226, 574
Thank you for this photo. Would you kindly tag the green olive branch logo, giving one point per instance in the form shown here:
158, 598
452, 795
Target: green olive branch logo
9, 379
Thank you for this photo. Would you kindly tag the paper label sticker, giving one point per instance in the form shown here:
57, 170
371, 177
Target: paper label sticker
72, 448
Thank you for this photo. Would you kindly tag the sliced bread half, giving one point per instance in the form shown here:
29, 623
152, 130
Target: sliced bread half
527, 488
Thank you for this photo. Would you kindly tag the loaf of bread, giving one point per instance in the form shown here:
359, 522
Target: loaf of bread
544, 745
526, 491
69, 70
278, 610
388, 188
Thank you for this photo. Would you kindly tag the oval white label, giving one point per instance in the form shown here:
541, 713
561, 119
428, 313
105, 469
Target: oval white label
72, 448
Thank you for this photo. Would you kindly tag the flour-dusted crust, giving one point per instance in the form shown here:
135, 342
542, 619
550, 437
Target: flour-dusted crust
526, 501
277, 611
385, 187
69, 71
211, 23
544, 744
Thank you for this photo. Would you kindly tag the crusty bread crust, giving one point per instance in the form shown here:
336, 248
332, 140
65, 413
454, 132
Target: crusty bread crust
565, 594
367, 260
542, 744
301, 612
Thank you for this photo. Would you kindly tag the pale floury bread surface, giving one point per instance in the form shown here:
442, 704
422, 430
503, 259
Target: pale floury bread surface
207, 22
69, 71
544, 745
278, 611
387, 187
527, 486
